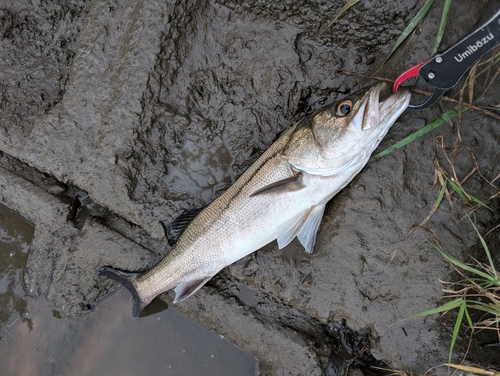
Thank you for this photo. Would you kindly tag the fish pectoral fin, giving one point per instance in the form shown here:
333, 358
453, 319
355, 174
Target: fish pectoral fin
304, 226
293, 183
186, 289
309, 229
174, 229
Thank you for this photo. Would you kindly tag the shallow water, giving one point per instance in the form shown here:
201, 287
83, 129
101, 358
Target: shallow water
15, 238
36, 340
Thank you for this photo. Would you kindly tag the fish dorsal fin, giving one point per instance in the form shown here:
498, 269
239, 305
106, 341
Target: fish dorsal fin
293, 183
174, 229
186, 289
304, 226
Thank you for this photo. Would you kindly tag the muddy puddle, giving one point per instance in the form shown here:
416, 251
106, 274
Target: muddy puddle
200, 170
36, 340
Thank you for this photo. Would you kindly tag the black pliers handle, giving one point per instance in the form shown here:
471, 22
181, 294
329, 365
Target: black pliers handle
445, 69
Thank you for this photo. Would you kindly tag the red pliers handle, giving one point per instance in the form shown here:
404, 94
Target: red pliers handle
445, 69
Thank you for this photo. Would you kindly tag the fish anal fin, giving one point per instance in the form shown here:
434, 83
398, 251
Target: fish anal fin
293, 183
309, 229
174, 229
186, 289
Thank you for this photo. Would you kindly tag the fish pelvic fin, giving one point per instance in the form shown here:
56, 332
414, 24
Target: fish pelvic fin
304, 226
127, 280
309, 229
186, 289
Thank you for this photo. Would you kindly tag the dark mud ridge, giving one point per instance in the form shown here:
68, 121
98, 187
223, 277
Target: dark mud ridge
117, 116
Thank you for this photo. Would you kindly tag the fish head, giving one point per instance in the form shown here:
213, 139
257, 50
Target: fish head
357, 122
339, 138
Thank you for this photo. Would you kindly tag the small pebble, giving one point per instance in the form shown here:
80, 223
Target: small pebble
57, 189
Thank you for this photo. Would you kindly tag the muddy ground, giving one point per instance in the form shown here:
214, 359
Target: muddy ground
117, 115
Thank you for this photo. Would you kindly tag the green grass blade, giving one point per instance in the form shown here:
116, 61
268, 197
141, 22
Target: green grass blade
411, 26
467, 197
485, 308
486, 250
454, 336
483, 204
442, 25
469, 319
347, 5
421, 132
436, 204
448, 115
457, 189
492, 282
442, 308
463, 266
495, 322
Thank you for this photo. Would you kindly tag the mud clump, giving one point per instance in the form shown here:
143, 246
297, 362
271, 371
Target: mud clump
351, 349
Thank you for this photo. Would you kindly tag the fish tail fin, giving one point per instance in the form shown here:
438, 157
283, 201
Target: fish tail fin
127, 280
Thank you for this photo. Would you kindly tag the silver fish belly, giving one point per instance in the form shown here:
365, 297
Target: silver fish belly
280, 197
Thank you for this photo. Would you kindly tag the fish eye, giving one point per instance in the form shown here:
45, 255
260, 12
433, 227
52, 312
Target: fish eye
343, 108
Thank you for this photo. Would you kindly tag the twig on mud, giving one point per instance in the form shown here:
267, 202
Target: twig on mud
486, 84
473, 107
429, 230
493, 229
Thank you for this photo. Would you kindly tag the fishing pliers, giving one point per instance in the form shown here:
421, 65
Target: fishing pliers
445, 69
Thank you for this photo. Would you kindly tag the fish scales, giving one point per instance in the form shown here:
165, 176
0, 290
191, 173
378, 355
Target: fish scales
204, 233
281, 196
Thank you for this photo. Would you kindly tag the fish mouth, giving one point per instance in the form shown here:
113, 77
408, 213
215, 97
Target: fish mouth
382, 105
384, 93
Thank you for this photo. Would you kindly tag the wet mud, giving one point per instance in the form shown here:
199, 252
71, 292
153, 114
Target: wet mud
15, 238
118, 116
